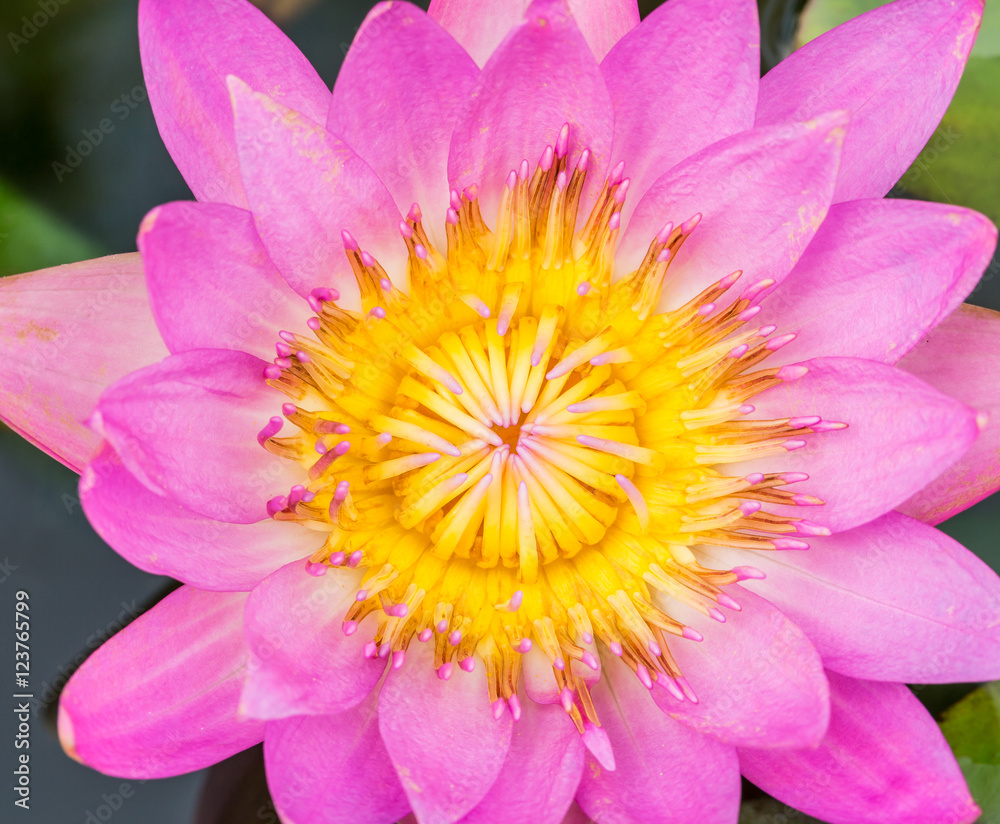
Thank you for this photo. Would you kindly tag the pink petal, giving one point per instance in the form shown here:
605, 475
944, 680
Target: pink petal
665, 772
305, 187
960, 358
441, 736
187, 429
163, 537
762, 195
397, 100
878, 275
211, 283
480, 25
67, 333
541, 77
758, 679
541, 773
895, 68
333, 769
893, 600
901, 435
883, 760
188, 48
684, 79
301, 662
159, 698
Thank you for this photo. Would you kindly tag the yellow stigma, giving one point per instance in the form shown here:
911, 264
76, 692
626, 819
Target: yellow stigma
522, 452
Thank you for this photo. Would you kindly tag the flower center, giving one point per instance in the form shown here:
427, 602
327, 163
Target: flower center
523, 454
511, 417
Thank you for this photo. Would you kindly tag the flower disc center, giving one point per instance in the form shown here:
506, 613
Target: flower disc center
525, 446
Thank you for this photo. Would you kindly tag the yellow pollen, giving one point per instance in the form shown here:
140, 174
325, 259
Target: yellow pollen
523, 452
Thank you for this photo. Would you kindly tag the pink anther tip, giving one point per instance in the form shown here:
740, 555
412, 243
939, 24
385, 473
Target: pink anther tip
792, 372
686, 687
789, 543
316, 570
349, 242
805, 527
689, 225
748, 573
728, 602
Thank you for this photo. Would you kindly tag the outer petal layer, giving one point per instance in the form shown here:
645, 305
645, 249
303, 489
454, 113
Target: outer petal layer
893, 600
211, 283
301, 663
159, 699
758, 679
895, 69
884, 759
397, 101
878, 275
542, 77
541, 773
684, 79
67, 333
306, 187
665, 772
187, 429
762, 195
902, 433
188, 48
441, 736
333, 769
163, 537
962, 357
480, 25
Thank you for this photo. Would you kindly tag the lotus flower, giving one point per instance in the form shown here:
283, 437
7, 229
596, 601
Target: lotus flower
603, 475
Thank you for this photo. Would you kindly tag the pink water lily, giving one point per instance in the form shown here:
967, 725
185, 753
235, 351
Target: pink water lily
603, 475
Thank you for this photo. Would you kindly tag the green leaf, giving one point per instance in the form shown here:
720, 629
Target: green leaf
820, 16
771, 811
31, 238
972, 727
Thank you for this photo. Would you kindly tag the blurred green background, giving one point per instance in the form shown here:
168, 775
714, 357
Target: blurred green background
82, 65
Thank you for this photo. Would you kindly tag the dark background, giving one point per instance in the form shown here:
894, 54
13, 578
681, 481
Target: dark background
62, 80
